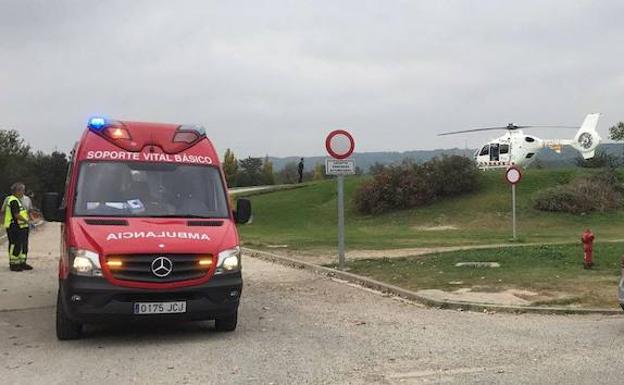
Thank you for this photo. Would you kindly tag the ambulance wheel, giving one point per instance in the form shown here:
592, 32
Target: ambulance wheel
66, 329
227, 324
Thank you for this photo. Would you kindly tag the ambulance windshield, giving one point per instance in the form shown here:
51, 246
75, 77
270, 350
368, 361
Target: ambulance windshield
151, 189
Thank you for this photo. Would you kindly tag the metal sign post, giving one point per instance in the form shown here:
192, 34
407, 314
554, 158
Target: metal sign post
340, 167
341, 229
513, 176
340, 146
513, 210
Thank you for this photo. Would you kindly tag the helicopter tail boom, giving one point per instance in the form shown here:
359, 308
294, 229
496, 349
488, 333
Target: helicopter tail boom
585, 141
587, 138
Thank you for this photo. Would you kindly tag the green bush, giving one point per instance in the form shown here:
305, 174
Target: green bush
600, 160
408, 185
582, 195
452, 175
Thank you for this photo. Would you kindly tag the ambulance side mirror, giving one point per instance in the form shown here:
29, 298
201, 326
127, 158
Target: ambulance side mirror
50, 207
242, 214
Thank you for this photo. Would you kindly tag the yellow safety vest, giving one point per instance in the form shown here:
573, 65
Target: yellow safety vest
8, 217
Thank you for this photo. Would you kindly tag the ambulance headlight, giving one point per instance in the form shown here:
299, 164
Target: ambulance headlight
85, 263
229, 261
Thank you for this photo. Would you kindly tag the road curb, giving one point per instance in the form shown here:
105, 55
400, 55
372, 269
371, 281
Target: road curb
413, 296
269, 190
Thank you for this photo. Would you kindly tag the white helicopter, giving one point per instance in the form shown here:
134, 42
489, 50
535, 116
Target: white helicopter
516, 148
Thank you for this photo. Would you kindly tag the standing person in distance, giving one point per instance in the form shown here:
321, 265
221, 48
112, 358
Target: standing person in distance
300, 170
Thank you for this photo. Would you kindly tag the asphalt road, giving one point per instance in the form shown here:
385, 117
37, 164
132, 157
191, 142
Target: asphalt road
299, 328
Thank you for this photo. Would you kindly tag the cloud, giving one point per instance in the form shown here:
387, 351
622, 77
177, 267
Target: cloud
275, 76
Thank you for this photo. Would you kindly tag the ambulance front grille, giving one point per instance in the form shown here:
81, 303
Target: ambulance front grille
154, 268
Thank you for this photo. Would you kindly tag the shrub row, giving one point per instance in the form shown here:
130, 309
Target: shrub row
582, 195
408, 185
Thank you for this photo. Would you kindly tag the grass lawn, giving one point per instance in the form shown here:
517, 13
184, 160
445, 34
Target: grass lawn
556, 270
305, 218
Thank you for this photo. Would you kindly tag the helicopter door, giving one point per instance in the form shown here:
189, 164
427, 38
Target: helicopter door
504, 153
494, 152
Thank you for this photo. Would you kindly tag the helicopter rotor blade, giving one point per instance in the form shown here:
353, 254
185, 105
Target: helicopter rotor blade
542, 126
474, 130
508, 128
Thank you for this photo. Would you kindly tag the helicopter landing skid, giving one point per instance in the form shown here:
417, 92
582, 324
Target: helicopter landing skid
493, 165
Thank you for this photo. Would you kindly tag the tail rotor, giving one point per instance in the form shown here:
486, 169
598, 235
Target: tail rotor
587, 139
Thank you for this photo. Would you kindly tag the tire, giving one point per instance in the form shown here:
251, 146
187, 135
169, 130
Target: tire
227, 324
66, 329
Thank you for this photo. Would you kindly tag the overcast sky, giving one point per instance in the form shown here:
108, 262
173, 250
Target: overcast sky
274, 77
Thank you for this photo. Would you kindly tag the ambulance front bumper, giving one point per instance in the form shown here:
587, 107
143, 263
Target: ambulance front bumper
96, 300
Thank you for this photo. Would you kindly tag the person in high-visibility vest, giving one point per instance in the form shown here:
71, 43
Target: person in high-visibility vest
16, 225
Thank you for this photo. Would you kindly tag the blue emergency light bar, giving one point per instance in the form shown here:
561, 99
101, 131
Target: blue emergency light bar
97, 124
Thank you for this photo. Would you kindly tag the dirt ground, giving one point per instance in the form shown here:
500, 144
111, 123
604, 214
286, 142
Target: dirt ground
507, 297
326, 257
296, 327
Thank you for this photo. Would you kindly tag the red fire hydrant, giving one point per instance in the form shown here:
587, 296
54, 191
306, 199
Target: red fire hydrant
588, 248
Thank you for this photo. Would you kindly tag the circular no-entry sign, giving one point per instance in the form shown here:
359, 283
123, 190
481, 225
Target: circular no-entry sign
513, 175
339, 144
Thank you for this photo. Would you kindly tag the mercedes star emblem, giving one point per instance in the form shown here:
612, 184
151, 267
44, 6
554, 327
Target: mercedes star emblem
162, 267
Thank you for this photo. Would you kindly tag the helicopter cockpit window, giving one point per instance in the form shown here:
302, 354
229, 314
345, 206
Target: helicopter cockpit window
485, 150
529, 139
504, 149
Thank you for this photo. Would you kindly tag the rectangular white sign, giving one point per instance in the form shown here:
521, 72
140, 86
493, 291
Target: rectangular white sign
339, 167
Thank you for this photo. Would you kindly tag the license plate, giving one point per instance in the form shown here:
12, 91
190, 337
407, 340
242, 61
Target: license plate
159, 307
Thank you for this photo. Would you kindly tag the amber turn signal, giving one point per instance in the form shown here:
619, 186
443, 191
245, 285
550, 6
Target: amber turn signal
114, 264
205, 262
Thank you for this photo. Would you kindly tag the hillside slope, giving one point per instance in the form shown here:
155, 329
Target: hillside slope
364, 160
306, 218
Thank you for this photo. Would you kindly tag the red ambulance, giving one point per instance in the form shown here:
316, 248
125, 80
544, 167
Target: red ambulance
147, 229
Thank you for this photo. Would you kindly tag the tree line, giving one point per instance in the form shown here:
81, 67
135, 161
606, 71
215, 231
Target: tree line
42, 172
39, 171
